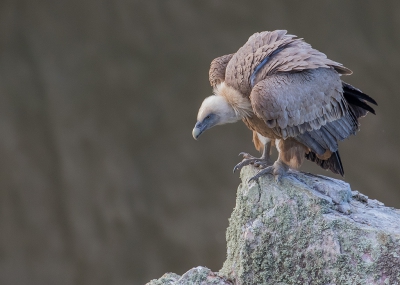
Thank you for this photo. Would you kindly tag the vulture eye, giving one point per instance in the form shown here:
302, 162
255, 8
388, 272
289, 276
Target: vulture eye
208, 117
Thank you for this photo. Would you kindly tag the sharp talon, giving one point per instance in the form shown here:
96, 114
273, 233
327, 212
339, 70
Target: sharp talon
245, 155
267, 170
236, 168
252, 179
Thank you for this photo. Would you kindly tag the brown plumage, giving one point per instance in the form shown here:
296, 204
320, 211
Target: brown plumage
285, 90
217, 69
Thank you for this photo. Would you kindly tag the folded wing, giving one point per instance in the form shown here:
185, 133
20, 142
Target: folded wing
308, 106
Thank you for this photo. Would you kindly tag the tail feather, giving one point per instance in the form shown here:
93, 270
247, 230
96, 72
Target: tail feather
334, 163
357, 100
358, 93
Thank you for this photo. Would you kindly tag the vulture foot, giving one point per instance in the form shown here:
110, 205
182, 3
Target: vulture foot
278, 169
249, 159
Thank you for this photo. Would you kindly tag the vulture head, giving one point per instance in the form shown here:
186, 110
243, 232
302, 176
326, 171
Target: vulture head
226, 106
214, 110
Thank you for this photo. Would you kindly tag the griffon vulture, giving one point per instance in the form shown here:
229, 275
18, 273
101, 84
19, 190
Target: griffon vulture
290, 95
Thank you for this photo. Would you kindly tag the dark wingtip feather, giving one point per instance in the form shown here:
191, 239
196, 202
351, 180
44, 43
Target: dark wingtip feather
356, 97
358, 93
355, 101
334, 163
338, 162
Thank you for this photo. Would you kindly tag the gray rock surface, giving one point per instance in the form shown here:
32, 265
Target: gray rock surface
307, 229
198, 275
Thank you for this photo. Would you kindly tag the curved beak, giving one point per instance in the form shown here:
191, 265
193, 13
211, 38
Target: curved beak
198, 129
208, 122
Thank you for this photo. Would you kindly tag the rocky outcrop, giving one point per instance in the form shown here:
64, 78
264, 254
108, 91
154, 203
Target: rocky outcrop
306, 229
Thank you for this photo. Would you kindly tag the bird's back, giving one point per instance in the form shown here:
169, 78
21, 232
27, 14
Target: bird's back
267, 53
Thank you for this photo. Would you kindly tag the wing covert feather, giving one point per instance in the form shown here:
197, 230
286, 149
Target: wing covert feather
218, 69
271, 52
292, 99
307, 105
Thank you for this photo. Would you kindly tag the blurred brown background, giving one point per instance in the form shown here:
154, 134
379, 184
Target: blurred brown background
101, 180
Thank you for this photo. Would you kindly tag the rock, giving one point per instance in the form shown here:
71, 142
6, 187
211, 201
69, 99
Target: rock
198, 275
166, 279
306, 229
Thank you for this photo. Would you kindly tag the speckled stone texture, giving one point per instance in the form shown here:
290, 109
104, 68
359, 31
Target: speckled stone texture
306, 229
310, 229
198, 275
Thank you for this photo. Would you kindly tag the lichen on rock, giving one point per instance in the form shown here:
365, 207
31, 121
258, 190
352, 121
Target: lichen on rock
308, 230
199, 276
305, 229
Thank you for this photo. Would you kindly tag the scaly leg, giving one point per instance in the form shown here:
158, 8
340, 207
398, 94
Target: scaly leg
261, 162
278, 169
